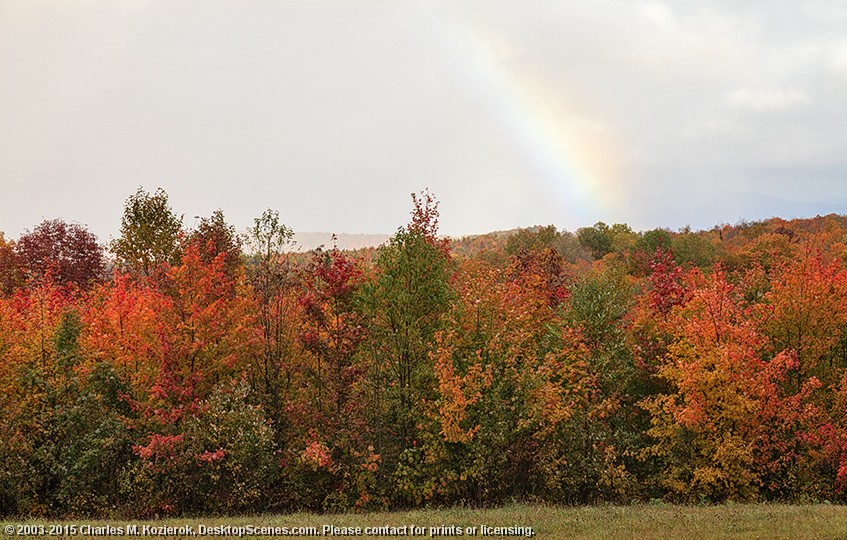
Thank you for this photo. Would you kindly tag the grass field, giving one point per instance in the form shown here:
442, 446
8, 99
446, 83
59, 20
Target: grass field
643, 521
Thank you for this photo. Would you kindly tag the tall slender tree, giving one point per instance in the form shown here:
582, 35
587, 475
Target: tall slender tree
408, 300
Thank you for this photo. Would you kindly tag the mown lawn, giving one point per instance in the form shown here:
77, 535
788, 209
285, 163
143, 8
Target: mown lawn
763, 521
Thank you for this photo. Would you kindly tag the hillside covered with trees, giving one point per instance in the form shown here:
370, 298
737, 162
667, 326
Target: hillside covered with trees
205, 372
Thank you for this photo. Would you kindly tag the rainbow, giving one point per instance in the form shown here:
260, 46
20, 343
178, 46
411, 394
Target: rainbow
577, 169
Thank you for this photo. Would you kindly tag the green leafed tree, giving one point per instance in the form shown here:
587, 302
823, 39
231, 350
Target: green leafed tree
268, 236
533, 239
597, 238
407, 300
150, 233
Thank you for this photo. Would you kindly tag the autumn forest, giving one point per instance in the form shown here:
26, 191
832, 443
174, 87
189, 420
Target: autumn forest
196, 371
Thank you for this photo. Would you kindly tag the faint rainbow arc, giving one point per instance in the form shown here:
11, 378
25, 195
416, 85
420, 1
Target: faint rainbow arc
566, 168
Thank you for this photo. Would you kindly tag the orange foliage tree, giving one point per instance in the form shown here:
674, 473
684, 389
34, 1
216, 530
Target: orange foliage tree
714, 432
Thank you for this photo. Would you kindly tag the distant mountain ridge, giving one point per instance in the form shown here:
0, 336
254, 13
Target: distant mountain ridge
306, 241
344, 241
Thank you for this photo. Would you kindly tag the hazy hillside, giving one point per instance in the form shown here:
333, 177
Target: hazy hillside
465, 245
311, 240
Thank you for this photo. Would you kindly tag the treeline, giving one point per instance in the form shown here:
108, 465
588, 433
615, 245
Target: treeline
202, 371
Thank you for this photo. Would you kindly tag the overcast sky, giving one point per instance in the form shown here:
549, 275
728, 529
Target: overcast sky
513, 113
